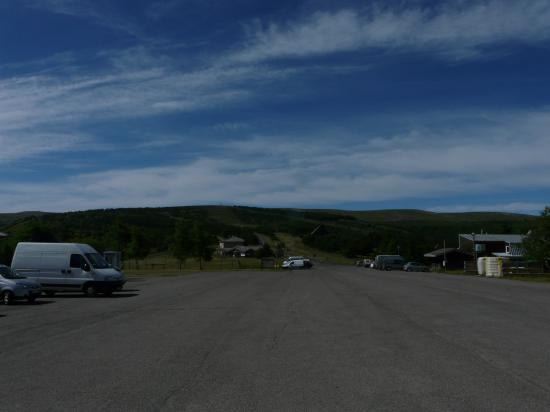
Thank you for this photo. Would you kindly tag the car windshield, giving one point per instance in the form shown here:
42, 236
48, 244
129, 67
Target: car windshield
8, 273
97, 261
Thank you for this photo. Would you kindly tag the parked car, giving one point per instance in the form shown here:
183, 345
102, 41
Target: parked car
66, 267
415, 267
297, 262
364, 263
389, 262
14, 286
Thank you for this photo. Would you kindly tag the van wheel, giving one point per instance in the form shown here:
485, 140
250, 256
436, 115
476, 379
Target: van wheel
31, 299
7, 297
50, 293
90, 290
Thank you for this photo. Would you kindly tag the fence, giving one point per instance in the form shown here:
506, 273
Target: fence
511, 268
171, 264
523, 268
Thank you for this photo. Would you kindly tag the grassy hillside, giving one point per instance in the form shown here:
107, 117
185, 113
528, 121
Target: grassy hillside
8, 219
344, 233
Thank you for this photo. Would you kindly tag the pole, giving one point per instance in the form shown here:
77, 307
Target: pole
475, 250
444, 257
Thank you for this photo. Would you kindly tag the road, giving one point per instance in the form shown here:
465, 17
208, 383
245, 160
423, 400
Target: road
331, 338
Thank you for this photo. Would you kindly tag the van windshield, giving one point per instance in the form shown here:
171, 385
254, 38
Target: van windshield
97, 261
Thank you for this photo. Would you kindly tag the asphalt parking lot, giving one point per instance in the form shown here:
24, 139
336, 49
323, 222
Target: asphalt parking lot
330, 338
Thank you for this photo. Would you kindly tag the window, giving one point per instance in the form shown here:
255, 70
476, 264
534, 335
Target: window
77, 261
97, 261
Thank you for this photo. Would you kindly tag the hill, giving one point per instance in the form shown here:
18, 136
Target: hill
8, 219
347, 233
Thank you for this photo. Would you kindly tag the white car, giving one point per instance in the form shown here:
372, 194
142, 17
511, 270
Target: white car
297, 262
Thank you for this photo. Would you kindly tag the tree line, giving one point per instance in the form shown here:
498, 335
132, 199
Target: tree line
191, 232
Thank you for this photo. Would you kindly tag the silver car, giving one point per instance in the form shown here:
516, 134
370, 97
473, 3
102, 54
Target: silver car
14, 286
415, 267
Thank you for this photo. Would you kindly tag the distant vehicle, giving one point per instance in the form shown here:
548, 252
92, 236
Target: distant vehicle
14, 286
297, 262
66, 267
389, 262
415, 267
364, 263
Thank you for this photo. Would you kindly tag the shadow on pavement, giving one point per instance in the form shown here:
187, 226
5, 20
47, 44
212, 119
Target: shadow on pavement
100, 296
37, 302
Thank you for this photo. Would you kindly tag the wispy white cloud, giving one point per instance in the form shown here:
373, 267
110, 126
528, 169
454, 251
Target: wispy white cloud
99, 12
132, 85
532, 208
286, 171
456, 30
28, 145
159, 142
160, 8
231, 127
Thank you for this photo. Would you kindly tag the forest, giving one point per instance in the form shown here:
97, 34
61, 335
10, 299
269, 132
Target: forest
140, 231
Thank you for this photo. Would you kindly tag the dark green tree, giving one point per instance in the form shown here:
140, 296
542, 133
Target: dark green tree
119, 235
201, 244
280, 249
264, 252
537, 243
36, 232
6, 253
183, 246
138, 247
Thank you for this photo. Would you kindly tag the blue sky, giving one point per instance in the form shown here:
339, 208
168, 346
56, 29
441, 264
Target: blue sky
352, 104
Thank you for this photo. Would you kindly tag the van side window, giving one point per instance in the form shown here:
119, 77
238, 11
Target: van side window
77, 261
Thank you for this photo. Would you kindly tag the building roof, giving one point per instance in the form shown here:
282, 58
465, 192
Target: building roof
241, 249
494, 238
442, 252
232, 239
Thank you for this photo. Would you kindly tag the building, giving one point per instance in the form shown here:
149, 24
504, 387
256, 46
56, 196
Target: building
492, 245
3, 235
230, 242
234, 246
453, 257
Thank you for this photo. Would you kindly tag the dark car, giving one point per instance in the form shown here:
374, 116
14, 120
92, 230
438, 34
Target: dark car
416, 267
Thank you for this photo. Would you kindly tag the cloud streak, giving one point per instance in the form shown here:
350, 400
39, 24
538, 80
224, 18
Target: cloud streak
29, 145
284, 171
454, 30
98, 12
130, 85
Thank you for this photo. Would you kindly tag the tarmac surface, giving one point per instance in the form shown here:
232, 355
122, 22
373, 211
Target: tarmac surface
331, 338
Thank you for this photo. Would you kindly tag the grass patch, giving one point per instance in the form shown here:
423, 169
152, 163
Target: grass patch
542, 278
538, 278
296, 246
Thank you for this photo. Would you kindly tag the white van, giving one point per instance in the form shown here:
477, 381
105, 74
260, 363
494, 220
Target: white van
66, 267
